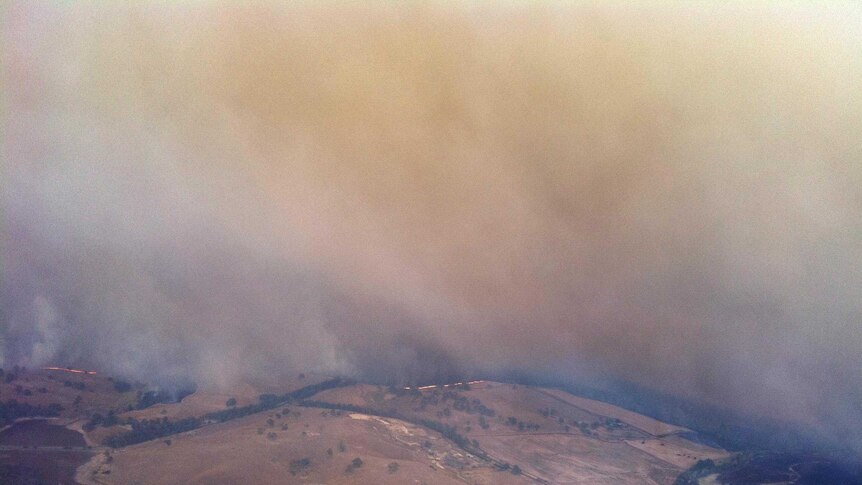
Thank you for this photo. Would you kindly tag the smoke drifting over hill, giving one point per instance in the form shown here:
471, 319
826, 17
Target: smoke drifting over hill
666, 194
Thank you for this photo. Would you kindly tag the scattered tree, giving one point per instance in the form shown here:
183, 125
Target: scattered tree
297, 466
122, 386
354, 465
483, 423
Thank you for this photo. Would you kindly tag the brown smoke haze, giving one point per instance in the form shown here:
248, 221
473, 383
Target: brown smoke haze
668, 194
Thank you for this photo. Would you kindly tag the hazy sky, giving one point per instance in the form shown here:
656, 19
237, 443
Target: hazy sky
670, 194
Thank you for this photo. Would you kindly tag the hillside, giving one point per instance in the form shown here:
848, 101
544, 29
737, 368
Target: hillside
487, 433
302, 428
550, 435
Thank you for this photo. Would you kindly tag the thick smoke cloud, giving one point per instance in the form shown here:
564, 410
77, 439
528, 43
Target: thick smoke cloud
666, 194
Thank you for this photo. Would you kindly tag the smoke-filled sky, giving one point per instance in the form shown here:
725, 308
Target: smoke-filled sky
669, 194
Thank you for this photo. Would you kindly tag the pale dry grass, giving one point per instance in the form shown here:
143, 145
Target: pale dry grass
556, 452
675, 454
644, 423
234, 452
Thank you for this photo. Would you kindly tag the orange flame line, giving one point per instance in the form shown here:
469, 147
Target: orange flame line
74, 371
422, 388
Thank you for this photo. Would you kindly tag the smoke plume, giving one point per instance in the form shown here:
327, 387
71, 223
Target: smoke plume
668, 194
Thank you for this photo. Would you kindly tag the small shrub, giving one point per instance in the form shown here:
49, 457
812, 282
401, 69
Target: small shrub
297, 466
354, 465
122, 386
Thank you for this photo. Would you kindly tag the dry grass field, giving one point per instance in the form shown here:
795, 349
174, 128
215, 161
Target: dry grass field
318, 446
79, 394
549, 435
209, 398
644, 423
